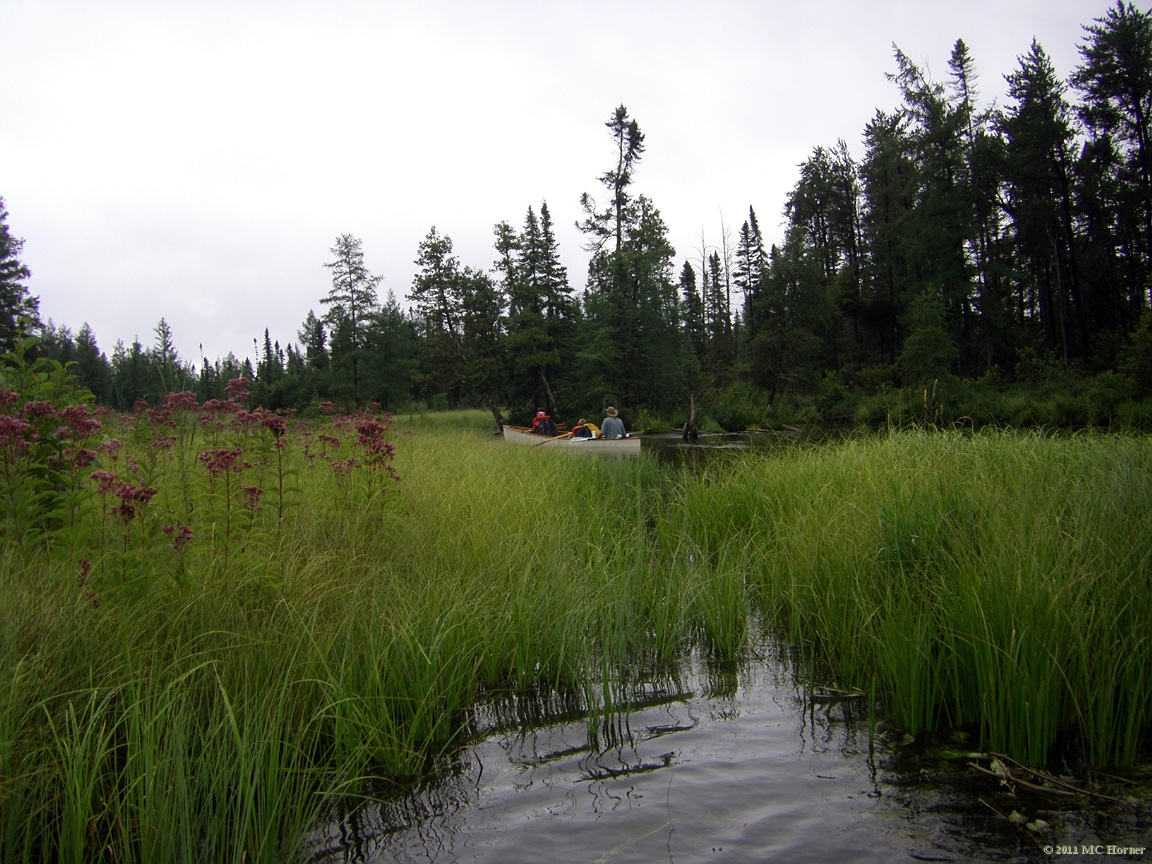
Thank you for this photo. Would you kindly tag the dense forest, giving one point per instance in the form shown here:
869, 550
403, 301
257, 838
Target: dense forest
986, 264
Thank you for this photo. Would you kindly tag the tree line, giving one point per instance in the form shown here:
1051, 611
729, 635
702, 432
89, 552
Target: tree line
964, 244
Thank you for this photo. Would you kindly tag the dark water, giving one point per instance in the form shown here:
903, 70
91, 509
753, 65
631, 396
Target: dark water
670, 449
735, 763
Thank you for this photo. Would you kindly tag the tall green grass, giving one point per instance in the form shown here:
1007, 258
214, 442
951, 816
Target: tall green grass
218, 702
999, 580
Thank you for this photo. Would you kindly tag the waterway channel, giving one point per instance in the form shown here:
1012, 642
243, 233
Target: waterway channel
733, 762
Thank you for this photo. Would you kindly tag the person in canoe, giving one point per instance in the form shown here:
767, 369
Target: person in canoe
613, 426
584, 429
543, 425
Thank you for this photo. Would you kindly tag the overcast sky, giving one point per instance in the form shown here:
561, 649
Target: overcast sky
196, 160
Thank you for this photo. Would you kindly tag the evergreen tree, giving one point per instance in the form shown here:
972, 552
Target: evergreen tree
481, 370
56, 343
1115, 80
92, 367
938, 238
165, 372
823, 210
631, 350
16, 303
437, 306
393, 363
611, 222
720, 350
692, 306
928, 353
541, 310
979, 193
529, 347
559, 307
314, 338
131, 368
888, 178
795, 344
1039, 199
352, 301
751, 262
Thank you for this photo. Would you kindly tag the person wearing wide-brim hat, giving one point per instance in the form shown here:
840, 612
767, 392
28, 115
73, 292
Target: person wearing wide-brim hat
613, 426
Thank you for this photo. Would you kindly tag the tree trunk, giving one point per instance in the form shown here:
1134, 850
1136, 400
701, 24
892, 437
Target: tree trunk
552, 411
691, 432
498, 417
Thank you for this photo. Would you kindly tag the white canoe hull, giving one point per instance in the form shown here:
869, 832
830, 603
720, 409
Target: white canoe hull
595, 446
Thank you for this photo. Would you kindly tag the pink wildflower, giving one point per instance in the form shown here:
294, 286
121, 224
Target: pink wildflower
82, 458
105, 480
344, 467
159, 417
133, 499
252, 497
185, 400
219, 461
37, 410
237, 389
12, 432
180, 536
80, 421
274, 423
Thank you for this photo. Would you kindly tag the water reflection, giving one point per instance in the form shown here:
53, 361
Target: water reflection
746, 761
715, 447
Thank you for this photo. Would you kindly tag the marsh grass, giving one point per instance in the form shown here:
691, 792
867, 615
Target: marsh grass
287, 654
998, 581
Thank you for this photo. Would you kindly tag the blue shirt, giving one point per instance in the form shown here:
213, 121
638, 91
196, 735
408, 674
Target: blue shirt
612, 427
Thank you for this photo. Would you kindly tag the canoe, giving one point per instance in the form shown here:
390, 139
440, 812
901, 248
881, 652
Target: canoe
596, 446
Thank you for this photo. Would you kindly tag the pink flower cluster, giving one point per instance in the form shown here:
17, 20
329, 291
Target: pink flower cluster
133, 500
237, 390
14, 434
378, 449
21, 425
221, 460
344, 467
180, 536
273, 422
252, 496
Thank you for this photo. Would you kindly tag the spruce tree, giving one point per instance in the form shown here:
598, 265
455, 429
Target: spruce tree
1115, 80
92, 367
1037, 169
436, 298
352, 301
631, 344
19, 310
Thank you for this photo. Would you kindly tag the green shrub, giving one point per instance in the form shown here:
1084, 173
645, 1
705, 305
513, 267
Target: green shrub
1136, 358
643, 422
738, 407
1105, 394
835, 401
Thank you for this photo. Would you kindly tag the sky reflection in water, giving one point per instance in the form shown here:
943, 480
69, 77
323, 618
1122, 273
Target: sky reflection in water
718, 763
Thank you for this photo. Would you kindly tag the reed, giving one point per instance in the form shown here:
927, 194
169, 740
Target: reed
210, 701
979, 580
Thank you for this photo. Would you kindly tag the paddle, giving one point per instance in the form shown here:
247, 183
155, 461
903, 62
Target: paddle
557, 438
